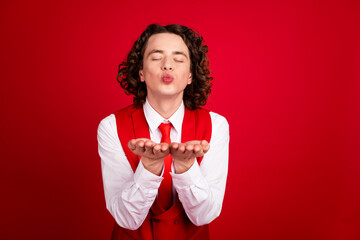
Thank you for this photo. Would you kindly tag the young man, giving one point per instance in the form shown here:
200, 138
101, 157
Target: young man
164, 159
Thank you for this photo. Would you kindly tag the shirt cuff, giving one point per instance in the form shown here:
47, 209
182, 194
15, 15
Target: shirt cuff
190, 177
146, 179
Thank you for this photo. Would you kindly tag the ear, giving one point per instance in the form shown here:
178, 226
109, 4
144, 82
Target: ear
190, 79
141, 75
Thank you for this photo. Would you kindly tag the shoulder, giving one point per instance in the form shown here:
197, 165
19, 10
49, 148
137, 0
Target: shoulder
110, 120
126, 111
217, 119
220, 126
107, 124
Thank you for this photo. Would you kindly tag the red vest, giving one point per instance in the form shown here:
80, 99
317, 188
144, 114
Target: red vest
160, 224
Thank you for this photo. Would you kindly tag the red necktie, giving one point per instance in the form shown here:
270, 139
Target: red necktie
165, 189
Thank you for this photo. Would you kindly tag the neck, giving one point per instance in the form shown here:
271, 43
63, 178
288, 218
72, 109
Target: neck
166, 107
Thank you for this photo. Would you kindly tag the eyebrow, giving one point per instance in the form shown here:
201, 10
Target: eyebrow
161, 51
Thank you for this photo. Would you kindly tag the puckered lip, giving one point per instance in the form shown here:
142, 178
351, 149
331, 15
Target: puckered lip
167, 78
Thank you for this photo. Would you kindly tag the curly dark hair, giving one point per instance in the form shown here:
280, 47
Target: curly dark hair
196, 93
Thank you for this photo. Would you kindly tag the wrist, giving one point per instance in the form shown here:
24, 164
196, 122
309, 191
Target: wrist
182, 166
154, 166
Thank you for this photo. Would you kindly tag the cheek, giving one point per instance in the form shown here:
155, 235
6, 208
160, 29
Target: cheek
148, 72
151, 68
186, 75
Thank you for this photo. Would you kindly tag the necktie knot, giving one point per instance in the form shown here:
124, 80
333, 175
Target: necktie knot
165, 132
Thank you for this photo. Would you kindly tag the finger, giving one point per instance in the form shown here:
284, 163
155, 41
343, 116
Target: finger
189, 147
206, 148
197, 148
149, 144
182, 148
149, 147
131, 144
164, 147
204, 143
157, 148
140, 144
174, 146
199, 154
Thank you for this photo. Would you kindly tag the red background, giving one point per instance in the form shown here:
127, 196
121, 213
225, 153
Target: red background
286, 76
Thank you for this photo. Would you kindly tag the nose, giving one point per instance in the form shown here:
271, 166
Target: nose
167, 65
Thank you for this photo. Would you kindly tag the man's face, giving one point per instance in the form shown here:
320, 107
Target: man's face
166, 66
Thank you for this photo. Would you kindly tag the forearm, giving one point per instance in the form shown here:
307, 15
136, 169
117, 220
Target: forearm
130, 205
128, 194
201, 201
201, 189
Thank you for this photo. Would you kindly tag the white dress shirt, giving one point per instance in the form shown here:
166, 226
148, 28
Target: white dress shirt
130, 195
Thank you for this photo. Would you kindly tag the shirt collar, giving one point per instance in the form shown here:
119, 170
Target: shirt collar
154, 119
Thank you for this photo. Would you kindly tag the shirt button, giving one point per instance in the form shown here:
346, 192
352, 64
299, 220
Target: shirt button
156, 220
176, 221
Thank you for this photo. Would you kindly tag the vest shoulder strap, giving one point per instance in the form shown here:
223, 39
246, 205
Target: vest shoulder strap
131, 124
196, 126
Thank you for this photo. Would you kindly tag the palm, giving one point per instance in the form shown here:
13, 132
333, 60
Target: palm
189, 150
146, 148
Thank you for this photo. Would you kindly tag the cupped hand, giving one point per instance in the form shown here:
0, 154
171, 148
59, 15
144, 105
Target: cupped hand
184, 154
152, 154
